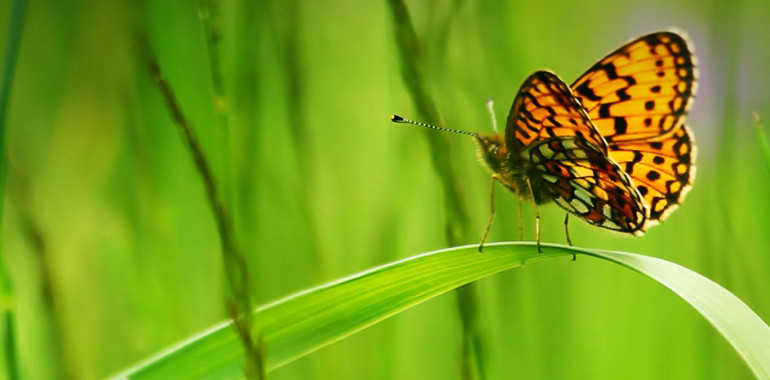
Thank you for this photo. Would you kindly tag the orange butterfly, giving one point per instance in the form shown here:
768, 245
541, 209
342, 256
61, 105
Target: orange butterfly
612, 148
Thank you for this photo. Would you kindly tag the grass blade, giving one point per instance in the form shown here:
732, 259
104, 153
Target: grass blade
743, 329
304, 322
8, 314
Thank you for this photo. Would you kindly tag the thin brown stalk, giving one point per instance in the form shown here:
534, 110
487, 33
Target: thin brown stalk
240, 304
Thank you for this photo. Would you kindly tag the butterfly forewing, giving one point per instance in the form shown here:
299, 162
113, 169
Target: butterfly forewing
641, 90
550, 134
545, 108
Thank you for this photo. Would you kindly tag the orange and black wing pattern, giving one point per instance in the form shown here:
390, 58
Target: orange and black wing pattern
642, 90
550, 136
545, 108
662, 170
638, 97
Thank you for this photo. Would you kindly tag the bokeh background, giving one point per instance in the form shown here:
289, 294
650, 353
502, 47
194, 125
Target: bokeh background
113, 252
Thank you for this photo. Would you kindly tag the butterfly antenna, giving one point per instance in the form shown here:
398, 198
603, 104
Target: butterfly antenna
491, 109
399, 119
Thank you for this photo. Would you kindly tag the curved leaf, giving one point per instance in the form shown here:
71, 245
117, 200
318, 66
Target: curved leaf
302, 323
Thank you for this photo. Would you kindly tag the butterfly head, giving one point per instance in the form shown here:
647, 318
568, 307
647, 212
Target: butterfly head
491, 151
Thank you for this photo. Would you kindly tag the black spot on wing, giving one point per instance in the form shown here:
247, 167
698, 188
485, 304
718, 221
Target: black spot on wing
649, 105
652, 175
586, 92
604, 110
622, 94
621, 125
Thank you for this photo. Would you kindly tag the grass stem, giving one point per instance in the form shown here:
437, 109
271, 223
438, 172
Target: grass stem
236, 271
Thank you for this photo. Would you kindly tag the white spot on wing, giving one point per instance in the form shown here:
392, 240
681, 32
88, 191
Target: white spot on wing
610, 224
584, 195
545, 150
607, 211
579, 206
564, 204
550, 178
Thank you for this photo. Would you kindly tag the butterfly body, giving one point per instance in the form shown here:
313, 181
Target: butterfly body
511, 173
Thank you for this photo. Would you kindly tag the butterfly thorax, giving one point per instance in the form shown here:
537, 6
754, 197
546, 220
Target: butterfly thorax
511, 172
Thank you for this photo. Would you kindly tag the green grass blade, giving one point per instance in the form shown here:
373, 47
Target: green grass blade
8, 312
302, 323
743, 329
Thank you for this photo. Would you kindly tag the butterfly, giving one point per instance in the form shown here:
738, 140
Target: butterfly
612, 148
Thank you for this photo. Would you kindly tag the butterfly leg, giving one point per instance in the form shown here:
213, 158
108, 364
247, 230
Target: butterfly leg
537, 215
491, 211
566, 231
521, 224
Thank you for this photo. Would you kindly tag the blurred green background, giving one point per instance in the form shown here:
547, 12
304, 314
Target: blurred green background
113, 251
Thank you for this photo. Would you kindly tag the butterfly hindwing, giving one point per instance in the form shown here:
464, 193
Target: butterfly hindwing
586, 183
